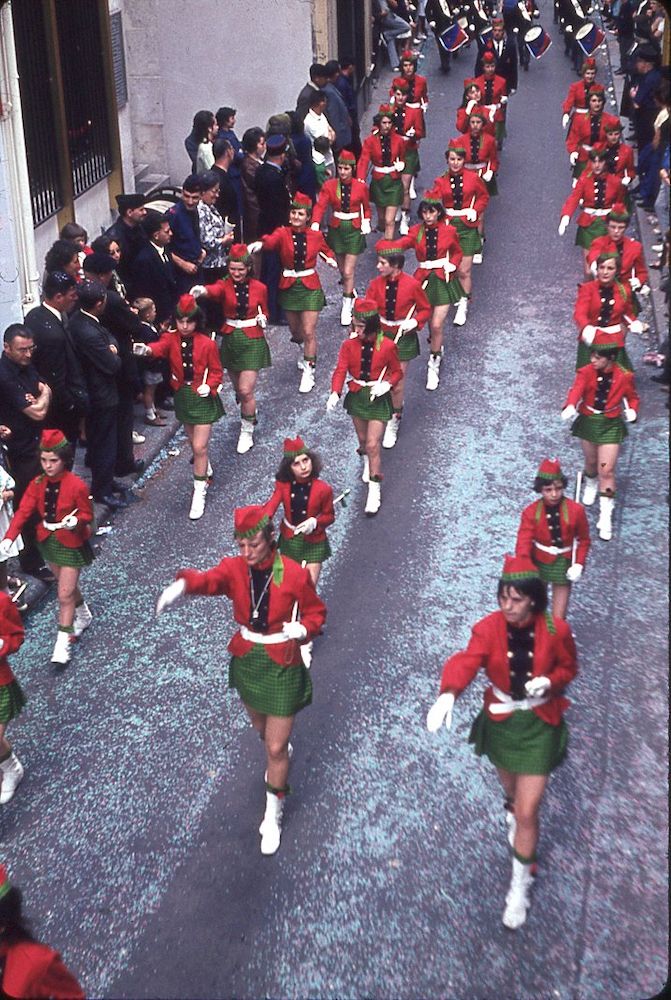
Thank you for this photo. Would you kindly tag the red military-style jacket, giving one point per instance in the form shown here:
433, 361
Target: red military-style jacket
371, 155
588, 306
632, 262
554, 657
331, 196
320, 506
205, 356
232, 579
579, 138
463, 115
407, 118
583, 392
487, 154
623, 161
419, 91
409, 294
583, 194
73, 495
534, 527
12, 634
281, 241
449, 249
34, 970
577, 98
385, 358
476, 194
223, 292
499, 90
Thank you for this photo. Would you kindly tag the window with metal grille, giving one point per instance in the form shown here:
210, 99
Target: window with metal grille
84, 92
38, 88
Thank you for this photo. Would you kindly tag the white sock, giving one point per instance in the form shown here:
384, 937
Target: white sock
150, 413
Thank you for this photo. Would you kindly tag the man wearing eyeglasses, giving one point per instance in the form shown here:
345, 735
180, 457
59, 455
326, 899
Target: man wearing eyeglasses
24, 401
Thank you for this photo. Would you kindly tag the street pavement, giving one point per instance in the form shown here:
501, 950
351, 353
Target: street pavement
134, 833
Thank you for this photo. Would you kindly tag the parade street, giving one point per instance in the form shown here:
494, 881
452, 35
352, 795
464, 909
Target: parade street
136, 824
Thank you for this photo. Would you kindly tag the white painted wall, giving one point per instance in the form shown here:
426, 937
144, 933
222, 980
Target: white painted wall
10, 287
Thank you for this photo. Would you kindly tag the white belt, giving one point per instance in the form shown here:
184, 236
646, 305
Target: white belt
430, 264
52, 526
357, 381
241, 324
274, 639
510, 705
390, 322
346, 215
415, 104
610, 409
583, 145
475, 166
288, 273
552, 550
610, 329
597, 211
580, 111
385, 170
492, 107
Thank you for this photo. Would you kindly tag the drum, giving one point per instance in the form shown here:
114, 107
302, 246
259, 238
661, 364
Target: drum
537, 41
453, 37
589, 38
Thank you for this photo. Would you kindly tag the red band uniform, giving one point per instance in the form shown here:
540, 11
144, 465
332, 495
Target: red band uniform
394, 298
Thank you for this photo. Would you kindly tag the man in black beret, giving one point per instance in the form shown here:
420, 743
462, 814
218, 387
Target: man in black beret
128, 233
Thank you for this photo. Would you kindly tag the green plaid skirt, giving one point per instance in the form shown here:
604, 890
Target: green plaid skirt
407, 346
190, 408
522, 743
12, 700
470, 240
300, 550
55, 552
240, 353
443, 293
554, 572
267, 687
345, 238
298, 298
586, 235
599, 429
386, 191
583, 355
411, 162
359, 404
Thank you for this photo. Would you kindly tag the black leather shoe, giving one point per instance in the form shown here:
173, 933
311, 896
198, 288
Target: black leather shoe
137, 467
114, 503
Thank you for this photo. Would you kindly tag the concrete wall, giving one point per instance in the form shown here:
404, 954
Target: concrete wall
10, 286
249, 54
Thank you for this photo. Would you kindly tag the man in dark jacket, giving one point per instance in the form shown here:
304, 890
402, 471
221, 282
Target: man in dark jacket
270, 183
99, 353
55, 356
153, 271
317, 81
505, 52
127, 231
185, 247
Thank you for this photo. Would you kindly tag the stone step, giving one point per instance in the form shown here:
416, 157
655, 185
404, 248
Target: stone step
150, 182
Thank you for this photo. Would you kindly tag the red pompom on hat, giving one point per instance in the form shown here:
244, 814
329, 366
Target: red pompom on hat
457, 146
517, 568
488, 57
589, 63
248, 521
364, 309
596, 88
409, 56
346, 157
293, 447
239, 253
186, 306
386, 110
550, 469
432, 197
619, 212
400, 83
301, 200
603, 342
53, 440
385, 247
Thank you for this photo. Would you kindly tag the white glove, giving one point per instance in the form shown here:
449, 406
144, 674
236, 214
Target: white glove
141, 350
254, 246
488, 174
172, 593
406, 325
262, 320
636, 326
306, 527
563, 225
198, 291
294, 630
635, 283
203, 390
470, 214
537, 687
593, 267
574, 572
645, 290
470, 106
452, 212
440, 711
332, 401
399, 164
513, 91
504, 99
424, 105
365, 227
410, 133
565, 120
626, 180
568, 412
331, 261
5, 546
315, 227
630, 414
379, 389
588, 334
573, 158
70, 522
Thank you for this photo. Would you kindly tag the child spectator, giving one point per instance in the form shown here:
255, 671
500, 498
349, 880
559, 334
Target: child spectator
322, 157
150, 370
